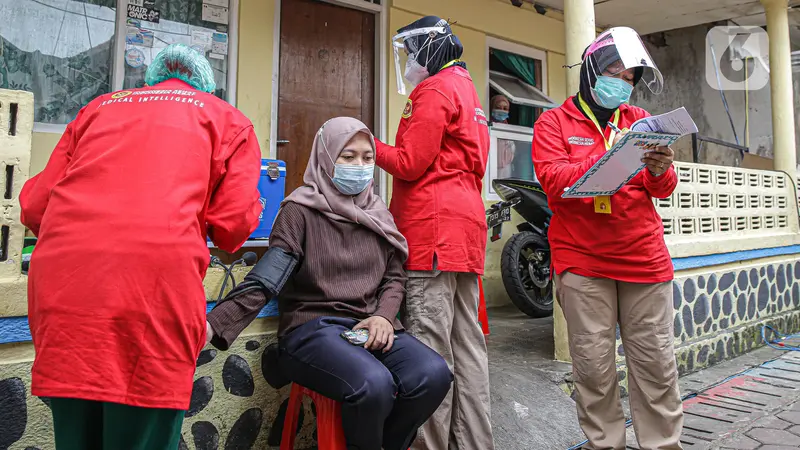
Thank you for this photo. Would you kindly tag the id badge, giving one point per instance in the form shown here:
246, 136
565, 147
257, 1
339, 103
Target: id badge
602, 204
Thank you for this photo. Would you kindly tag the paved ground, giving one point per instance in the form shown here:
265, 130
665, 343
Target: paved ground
751, 402
760, 409
529, 410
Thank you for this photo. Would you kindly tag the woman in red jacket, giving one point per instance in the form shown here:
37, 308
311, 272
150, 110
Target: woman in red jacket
437, 164
115, 292
609, 255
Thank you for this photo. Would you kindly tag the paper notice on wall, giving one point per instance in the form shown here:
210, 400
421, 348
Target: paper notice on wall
140, 37
215, 56
201, 40
216, 14
222, 3
219, 43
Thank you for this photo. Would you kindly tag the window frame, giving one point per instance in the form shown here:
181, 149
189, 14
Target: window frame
517, 100
501, 130
118, 65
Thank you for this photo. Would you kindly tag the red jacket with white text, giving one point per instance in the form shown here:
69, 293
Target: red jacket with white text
626, 245
115, 293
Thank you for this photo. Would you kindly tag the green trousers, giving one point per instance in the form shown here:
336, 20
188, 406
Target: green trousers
89, 425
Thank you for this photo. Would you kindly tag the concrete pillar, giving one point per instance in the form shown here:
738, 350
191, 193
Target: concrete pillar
580, 32
16, 128
780, 66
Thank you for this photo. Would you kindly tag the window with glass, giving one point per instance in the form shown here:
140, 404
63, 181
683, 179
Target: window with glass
67, 52
516, 100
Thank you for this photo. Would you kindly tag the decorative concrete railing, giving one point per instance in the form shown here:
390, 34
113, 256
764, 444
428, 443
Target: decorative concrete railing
718, 209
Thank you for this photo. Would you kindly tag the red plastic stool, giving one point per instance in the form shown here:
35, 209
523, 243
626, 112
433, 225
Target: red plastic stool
483, 317
330, 435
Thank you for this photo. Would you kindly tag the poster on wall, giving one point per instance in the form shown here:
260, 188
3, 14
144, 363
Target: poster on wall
215, 14
143, 10
219, 43
201, 40
139, 36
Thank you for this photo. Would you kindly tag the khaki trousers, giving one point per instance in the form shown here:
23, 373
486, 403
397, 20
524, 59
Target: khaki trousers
442, 312
592, 307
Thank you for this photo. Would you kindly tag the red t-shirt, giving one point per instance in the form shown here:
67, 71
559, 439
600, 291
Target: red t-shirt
626, 245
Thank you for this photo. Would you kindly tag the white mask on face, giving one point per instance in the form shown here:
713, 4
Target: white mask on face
415, 73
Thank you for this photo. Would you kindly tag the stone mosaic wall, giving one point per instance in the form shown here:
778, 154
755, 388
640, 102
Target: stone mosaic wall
719, 314
232, 407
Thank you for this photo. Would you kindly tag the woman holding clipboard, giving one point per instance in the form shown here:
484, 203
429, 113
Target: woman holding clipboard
610, 260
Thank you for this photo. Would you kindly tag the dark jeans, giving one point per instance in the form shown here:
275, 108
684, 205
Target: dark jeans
385, 396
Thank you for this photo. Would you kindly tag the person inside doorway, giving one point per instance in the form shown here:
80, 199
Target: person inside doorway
438, 163
611, 263
336, 261
115, 288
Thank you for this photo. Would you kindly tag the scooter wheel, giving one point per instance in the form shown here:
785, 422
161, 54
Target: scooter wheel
525, 268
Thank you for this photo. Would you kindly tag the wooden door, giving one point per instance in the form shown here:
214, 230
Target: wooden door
327, 69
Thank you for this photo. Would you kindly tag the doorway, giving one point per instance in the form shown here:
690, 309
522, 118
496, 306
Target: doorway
327, 69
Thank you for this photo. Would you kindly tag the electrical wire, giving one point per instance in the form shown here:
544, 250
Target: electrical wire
722, 93
778, 345
746, 106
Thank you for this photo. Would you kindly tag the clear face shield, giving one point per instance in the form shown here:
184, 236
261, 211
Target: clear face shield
403, 42
620, 49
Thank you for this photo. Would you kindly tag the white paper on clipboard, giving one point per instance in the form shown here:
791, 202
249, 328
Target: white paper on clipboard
677, 122
618, 165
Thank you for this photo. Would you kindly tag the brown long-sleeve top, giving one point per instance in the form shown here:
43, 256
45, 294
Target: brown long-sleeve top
344, 270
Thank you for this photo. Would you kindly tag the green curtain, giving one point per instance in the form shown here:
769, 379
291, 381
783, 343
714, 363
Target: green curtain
524, 69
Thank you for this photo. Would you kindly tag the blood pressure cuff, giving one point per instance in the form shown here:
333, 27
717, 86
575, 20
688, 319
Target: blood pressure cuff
269, 274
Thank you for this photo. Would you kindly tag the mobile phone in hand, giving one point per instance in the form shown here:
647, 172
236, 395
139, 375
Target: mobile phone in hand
356, 337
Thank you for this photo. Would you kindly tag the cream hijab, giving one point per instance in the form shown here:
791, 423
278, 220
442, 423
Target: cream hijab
319, 192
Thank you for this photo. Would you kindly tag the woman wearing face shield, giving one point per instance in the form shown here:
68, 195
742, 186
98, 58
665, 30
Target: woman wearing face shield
437, 164
611, 263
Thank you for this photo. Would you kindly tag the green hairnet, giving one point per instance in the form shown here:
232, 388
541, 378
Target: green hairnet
184, 63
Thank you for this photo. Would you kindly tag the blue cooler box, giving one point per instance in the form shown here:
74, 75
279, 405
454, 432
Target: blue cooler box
272, 187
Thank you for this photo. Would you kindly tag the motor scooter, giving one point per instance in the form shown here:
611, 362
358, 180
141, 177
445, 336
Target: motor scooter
525, 260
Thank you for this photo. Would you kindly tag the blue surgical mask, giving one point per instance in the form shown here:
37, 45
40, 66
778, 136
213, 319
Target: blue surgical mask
499, 115
352, 180
610, 92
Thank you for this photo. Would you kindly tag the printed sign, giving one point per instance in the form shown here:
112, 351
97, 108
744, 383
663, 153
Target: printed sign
219, 43
134, 58
222, 3
143, 13
140, 37
201, 39
216, 14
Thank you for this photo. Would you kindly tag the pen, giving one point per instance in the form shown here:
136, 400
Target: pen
614, 127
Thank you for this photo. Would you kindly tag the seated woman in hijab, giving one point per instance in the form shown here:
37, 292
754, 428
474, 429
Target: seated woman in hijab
336, 264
